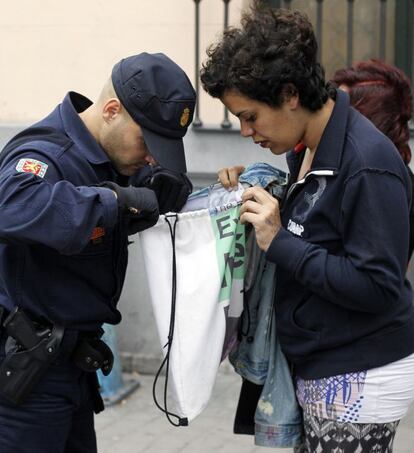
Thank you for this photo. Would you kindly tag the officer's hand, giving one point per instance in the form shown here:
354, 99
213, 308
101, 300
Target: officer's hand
229, 176
139, 204
172, 189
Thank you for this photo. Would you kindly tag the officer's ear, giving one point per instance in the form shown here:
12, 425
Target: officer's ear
111, 109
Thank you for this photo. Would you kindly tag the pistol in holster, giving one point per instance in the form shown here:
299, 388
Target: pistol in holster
29, 353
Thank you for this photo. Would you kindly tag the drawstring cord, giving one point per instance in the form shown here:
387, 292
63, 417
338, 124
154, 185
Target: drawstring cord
180, 421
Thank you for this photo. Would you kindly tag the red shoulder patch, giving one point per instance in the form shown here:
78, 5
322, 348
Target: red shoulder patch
32, 166
97, 233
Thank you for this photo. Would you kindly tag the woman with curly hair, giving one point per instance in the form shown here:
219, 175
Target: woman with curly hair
339, 237
382, 93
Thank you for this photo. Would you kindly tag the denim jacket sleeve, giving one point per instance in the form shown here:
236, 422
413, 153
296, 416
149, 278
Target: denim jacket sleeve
259, 360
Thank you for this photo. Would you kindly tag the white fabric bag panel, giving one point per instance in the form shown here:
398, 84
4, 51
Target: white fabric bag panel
200, 321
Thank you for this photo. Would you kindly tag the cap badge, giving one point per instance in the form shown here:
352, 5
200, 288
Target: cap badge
185, 116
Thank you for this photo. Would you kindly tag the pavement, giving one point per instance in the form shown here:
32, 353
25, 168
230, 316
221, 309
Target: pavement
135, 425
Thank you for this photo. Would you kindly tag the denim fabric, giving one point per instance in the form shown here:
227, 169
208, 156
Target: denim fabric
251, 358
260, 360
212, 198
215, 195
266, 176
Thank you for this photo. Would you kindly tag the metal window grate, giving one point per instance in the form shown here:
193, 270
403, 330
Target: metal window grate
404, 37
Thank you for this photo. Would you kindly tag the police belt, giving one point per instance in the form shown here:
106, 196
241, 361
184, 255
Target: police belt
31, 348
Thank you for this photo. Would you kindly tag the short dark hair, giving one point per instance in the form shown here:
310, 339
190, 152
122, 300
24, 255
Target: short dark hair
272, 55
382, 93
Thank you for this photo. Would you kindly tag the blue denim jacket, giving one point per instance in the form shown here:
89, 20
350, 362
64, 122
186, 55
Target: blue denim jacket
260, 360
258, 357
266, 176
259, 174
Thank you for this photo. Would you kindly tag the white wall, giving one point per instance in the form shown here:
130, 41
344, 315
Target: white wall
49, 47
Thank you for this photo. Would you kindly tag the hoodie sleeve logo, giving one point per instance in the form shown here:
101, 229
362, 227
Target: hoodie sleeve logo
314, 191
32, 166
295, 228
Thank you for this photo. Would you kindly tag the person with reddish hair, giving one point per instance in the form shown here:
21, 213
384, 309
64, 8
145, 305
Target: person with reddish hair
382, 93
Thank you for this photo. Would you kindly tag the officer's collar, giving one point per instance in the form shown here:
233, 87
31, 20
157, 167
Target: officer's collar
72, 105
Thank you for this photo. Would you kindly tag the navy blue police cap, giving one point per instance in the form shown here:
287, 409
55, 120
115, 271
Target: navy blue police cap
158, 95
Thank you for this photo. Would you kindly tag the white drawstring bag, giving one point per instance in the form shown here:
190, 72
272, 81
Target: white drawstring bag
195, 265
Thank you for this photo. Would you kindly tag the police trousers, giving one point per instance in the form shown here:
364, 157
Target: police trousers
58, 416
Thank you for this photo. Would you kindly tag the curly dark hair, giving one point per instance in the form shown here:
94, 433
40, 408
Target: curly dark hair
382, 93
271, 56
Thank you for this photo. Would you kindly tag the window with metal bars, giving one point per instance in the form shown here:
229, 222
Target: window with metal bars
347, 31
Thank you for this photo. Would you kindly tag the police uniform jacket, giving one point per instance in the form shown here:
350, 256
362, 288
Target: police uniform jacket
342, 301
63, 249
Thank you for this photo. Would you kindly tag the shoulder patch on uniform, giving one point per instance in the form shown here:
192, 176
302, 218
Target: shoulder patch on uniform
32, 166
97, 233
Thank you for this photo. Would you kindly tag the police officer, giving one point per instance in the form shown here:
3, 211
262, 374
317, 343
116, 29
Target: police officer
72, 188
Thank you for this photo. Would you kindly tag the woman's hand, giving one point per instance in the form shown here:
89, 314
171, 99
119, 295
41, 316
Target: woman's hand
261, 210
229, 176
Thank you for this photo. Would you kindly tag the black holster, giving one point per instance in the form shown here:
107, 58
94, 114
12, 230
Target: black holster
23, 366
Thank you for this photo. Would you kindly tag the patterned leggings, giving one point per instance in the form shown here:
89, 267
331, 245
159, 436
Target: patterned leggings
327, 436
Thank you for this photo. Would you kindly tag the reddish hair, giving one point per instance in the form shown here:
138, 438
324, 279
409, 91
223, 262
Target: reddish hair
382, 93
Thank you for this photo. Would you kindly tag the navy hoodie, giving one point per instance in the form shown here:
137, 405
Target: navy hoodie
343, 303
